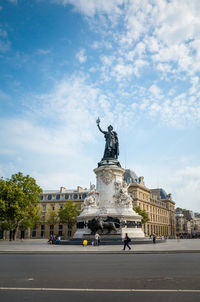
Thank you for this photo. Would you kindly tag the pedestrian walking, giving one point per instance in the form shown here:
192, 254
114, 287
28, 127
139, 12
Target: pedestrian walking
97, 239
154, 238
126, 242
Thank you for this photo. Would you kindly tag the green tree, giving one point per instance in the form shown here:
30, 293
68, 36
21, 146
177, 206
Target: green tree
19, 198
68, 214
52, 217
143, 213
32, 220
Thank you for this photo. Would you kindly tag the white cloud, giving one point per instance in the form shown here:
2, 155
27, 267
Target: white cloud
81, 56
122, 71
4, 42
92, 7
155, 90
43, 51
185, 184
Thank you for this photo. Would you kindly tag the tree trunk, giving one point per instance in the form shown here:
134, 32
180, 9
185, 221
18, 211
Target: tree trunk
15, 233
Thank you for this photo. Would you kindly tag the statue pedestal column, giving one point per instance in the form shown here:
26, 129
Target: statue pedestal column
110, 202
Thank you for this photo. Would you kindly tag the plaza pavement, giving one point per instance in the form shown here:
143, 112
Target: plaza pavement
39, 246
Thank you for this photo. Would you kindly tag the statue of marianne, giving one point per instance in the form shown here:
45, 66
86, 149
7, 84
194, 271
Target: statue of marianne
112, 143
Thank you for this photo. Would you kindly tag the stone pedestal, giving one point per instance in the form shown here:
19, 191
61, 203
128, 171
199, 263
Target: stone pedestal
109, 203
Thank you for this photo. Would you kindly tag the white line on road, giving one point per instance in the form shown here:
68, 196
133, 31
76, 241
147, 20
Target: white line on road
101, 289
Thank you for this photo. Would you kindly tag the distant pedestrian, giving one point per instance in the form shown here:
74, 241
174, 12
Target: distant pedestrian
154, 238
97, 239
126, 242
50, 239
54, 239
58, 240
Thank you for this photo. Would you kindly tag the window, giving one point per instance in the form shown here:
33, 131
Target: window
41, 197
44, 207
75, 196
42, 230
34, 232
57, 196
131, 194
61, 206
66, 196
49, 197
51, 229
54, 197
60, 230
53, 208
84, 195
43, 218
69, 232
79, 207
62, 197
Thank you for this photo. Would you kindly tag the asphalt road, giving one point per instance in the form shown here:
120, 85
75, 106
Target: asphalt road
102, 277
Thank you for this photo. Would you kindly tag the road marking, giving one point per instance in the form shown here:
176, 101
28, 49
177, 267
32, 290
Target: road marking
102, 289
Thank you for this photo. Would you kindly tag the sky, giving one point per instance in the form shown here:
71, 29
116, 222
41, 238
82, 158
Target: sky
133, 63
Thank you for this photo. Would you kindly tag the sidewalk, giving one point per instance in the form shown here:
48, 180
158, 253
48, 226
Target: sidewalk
39, 246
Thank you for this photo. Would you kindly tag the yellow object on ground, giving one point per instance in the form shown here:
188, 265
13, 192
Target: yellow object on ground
84, 242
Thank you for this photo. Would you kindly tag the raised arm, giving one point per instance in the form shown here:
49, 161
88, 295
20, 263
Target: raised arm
104, 132
98, 121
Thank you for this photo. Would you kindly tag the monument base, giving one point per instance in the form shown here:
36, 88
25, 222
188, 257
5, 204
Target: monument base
108, 210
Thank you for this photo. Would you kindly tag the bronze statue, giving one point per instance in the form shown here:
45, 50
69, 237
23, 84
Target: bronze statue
105, 226
112, 143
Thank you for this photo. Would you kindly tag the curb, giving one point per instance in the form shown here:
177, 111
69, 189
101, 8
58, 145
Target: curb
101, 252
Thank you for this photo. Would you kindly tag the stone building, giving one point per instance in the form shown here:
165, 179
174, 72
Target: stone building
54, 200
158, 205
187, 223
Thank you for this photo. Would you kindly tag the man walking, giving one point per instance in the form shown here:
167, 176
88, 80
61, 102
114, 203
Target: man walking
126, 242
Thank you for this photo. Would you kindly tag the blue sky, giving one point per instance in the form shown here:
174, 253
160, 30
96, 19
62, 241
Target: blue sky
135, 64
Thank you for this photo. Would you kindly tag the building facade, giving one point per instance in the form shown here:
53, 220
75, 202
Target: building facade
157, 204
187, 223
54, 200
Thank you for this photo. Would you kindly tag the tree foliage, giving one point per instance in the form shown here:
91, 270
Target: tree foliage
143, 213
69, 213
19, 198
52, 217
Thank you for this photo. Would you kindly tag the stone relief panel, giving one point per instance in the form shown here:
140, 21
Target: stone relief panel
106, 176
